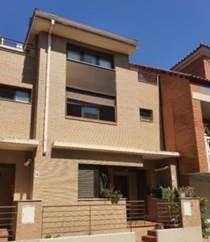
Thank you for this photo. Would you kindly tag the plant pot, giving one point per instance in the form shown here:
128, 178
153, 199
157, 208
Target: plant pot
182, 195
173, 226
115, 200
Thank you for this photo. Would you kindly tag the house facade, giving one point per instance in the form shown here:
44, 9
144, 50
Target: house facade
77, 118
198, 63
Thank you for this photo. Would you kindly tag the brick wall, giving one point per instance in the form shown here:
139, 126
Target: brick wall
196, 67
178, 122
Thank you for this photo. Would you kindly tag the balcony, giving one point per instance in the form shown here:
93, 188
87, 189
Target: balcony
13, 44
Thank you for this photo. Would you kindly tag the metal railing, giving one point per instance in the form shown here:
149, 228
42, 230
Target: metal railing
167, 212
8, 215
136, 210
18, 45
82, 219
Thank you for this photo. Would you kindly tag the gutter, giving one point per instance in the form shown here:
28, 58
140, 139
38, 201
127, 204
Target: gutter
47, 87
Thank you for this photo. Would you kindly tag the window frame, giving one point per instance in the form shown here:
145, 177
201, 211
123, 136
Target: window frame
98, 55
89, 119
15, 89
142, 119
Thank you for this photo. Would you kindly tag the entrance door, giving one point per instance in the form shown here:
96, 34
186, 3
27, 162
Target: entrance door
142, 185
7, 179
121, 184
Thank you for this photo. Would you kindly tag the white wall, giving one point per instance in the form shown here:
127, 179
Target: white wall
192, 234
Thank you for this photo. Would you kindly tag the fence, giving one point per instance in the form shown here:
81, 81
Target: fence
83, 219
168, 213
136, 210
13, 43
8, 219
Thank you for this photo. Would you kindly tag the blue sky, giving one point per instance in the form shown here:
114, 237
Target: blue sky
166, 29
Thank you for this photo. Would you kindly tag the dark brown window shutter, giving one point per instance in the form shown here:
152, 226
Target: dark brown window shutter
88, 183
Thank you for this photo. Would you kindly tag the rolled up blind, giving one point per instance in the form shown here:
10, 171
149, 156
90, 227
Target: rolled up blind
87, 180
91, 99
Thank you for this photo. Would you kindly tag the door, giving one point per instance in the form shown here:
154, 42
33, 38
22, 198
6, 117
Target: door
7, 180
121, 184
142, 185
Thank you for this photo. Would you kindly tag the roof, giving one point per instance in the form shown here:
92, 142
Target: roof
195, 51
188, 76
40, 21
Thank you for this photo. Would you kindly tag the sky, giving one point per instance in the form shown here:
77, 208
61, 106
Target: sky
166, 30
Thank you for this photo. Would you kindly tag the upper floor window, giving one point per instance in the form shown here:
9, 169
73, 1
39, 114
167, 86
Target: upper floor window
15, 94
90, 110
76, 53
146, 114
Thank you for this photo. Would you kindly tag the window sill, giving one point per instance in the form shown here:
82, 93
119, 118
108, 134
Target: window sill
146, 121
91, 120
88, 64
97, 199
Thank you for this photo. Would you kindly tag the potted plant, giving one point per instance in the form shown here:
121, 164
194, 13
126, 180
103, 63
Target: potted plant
112, 194
171, 195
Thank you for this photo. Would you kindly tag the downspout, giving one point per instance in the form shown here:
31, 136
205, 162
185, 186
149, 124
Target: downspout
162, 135
47, 86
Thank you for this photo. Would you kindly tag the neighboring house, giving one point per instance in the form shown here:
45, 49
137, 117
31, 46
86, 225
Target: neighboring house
198, 63
76, 117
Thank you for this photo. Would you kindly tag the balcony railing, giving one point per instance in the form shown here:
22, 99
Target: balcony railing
14, 44
8, 219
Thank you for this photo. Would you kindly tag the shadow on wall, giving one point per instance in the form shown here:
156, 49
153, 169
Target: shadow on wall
29, 68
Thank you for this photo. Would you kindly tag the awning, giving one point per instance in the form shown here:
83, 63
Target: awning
145, 154
18, 144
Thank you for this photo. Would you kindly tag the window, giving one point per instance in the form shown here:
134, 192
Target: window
88, 184
91, 180
76, 53
105, 63
15, 94
90, 59
146, 114
90, 111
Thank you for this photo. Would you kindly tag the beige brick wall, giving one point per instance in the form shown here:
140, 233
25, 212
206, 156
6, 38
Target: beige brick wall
57, 173
17, 69
15, 120
128, 132
99, 217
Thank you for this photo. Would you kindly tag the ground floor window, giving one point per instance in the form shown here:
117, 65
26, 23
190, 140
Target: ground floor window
97, 181
91, 180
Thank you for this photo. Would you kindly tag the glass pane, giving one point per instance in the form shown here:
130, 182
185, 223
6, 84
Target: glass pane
107, 113
90, 112
74, 109
91, 59
73, 55
22, 96
6, 93
146, 114
105, 63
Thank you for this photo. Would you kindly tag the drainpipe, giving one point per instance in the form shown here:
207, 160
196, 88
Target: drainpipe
162, 135
47, 86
